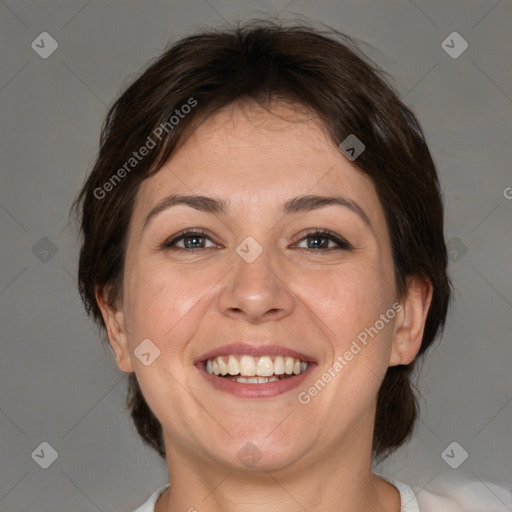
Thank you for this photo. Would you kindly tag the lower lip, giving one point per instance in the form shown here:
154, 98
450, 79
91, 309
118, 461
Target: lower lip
265, 390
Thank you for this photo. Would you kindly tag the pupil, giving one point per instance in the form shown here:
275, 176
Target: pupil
317, 245
190, 240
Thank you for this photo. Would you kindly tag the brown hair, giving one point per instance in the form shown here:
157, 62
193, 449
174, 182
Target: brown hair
262, 61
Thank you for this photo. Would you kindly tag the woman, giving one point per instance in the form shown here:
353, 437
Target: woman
263, 244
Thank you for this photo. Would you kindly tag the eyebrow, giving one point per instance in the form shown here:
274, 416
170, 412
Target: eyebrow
300, 204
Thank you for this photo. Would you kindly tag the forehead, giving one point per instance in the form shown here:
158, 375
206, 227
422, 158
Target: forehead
258, 157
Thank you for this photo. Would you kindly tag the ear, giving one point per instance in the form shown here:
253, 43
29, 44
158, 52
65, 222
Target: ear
410, 321
113, 316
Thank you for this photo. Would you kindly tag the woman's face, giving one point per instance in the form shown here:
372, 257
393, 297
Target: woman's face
255, 280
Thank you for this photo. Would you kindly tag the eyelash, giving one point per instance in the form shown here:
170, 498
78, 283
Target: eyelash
317, 233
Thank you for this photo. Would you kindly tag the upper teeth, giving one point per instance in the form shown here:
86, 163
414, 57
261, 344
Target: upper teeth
248, 366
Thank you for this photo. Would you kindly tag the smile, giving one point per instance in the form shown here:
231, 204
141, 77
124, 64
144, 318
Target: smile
255, 370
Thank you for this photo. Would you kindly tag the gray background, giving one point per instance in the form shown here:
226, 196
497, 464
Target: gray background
58, 385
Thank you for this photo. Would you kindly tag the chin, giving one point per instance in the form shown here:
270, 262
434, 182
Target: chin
262, 454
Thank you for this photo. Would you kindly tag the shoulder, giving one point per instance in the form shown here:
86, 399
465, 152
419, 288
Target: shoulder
463, 496
149, 505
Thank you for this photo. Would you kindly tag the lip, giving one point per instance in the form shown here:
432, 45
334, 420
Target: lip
266, 390
242, 390
254, 350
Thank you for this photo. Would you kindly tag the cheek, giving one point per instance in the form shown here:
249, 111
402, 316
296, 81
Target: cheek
349, 304
157, 300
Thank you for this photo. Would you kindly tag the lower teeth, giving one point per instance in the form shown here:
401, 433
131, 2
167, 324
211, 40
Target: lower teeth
256, 380
252, 380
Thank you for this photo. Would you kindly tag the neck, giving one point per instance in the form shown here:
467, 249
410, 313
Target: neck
338, 479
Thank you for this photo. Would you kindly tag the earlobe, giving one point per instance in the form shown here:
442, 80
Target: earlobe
410, 322
113, 318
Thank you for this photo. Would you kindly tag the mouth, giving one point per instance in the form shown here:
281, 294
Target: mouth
255, 370
248, 371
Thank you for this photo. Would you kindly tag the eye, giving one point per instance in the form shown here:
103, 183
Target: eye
189, 239
320, 239
192, 239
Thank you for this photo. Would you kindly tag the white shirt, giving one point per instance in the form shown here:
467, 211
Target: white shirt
467, 498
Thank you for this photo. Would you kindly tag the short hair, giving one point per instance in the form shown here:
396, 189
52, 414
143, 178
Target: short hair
261, 62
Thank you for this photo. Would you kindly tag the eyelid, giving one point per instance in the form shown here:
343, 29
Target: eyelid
324, 233
169, 243
342, 243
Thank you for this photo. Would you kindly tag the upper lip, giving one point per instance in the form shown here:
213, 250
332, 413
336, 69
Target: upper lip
255, 349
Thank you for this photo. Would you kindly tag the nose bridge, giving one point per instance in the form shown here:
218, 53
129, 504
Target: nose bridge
255, 288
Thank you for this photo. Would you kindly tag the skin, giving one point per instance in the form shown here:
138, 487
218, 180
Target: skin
316, 456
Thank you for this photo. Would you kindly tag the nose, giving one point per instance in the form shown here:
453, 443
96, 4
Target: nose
256, 291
